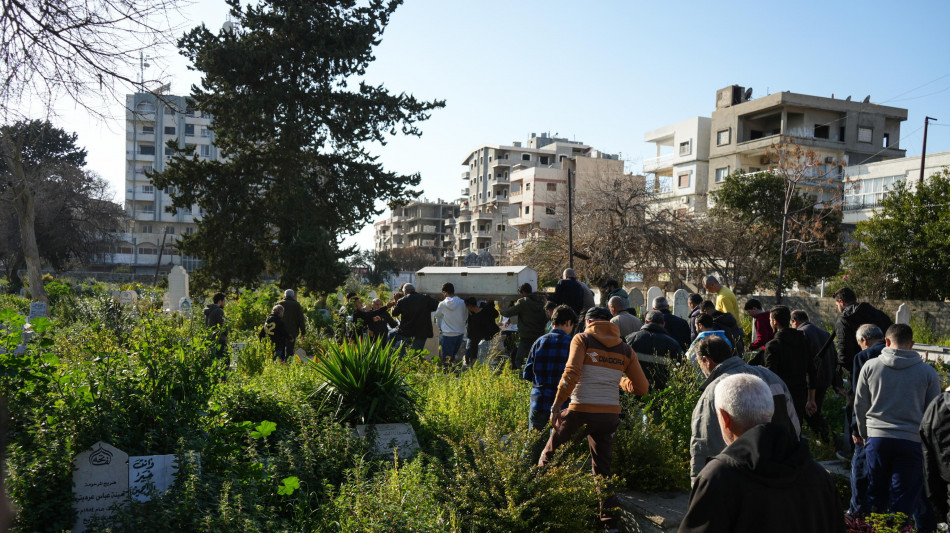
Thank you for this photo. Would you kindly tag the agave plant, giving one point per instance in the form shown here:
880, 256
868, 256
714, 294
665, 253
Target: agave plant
364, 382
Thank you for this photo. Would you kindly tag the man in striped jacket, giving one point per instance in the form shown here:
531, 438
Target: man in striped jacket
599, 365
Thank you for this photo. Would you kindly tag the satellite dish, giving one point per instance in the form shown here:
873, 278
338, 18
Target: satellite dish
228, 27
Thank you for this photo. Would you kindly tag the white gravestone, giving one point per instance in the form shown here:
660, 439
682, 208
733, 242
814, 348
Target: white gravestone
101, 479
652, 292
155, 471
166, 302
636, 298
681, 303
185, 306
903, 314
177, 286
372, 296
37, 310
391, 437
302, 355
128, 298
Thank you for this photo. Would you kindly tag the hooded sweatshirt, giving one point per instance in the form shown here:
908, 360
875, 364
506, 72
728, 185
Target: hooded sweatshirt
453, 313
892, 392
764, 481
600, 362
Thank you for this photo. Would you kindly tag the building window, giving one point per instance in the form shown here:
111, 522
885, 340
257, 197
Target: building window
887, 140
205, 150
865, 135
526, 157
683, 181
169, 230
148, 129
148, 189
527, 209
544, 160
146, 228
721, 174
822, 131
147, 250
685, 147
145, 107
169, 130
147, 149
552, 187
189, 230
189, 129
549, 210
124, 250
169, 190
148, 208
724, 137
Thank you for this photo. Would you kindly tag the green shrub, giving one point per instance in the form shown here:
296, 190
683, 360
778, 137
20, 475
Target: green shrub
16, 303
496, 485
400, 498
250, 309
364, 382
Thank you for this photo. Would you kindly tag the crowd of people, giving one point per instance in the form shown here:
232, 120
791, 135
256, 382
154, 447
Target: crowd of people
750, 466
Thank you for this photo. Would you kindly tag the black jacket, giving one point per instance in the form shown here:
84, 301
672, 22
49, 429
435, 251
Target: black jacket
293, 317
214, 319
789, 356
935, 434
825, 361
652, 339
379, 325
693, 315
853, 317
415, 314
569, 292
275, 330
677, 328
764, 481
483, 324
726, 322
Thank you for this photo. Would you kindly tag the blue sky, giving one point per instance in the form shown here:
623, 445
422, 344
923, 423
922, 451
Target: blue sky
607, 72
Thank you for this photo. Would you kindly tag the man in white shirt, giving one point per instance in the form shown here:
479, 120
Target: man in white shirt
451, 316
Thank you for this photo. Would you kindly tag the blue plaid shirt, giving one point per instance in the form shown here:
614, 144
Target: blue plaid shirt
544, 368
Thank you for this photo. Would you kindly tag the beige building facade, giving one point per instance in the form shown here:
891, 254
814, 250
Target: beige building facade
866, 185
421, 223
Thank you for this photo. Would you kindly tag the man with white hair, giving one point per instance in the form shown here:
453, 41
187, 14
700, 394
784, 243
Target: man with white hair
294, 320
624, 320
765, 479
725, 299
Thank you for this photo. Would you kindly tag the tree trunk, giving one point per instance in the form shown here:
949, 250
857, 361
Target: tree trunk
24, 206
781, 262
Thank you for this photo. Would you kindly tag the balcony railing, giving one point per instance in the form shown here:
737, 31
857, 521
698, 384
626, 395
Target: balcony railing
653, 163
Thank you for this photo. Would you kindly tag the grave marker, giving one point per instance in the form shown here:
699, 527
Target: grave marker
681, 303
184, 305
652, 292
128, 298
101, 479
38, 310
302, 355
391, 437
903, 314
157, 471
636, 299
177, 286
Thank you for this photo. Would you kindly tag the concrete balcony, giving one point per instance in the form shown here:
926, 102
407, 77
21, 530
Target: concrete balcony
654, 164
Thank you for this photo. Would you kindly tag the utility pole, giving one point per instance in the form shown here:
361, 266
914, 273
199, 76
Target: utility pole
570, 219
923, 152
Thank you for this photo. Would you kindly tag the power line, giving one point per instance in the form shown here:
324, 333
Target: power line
915, 88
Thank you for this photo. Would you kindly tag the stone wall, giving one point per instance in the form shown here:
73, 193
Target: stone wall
823, 312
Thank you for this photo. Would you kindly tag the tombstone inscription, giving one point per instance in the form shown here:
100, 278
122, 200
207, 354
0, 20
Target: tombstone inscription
101, 479
389, 437
681, 303
38, 310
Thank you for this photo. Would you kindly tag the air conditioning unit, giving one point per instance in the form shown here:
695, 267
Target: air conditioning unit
684, 200
764, 160
829, 160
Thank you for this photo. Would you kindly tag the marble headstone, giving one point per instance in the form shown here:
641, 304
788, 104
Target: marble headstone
184, 305
301, 355
371, 296
100, 480
177, 286
903, 314
128, 297
652, 292
150, 474
391, 437
636, 298
681, 303
37, 310
166, 302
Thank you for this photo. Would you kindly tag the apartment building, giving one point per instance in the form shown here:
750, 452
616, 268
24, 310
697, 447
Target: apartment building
866, 185
421, 223
512, 191
742, 129
150, 123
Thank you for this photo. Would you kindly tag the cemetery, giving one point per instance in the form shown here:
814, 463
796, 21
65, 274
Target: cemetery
120, 419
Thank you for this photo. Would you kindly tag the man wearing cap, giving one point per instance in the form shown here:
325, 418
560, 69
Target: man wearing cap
599, 365
676, 327
294, 320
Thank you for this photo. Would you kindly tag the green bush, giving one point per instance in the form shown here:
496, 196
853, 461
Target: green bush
251, 307
364, 382
496, 485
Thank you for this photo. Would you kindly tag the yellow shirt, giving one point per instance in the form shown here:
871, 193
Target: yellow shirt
726, 302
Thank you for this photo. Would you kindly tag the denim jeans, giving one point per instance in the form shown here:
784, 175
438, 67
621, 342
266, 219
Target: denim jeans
450, 345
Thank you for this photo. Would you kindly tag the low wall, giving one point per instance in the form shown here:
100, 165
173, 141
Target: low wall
824, 312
